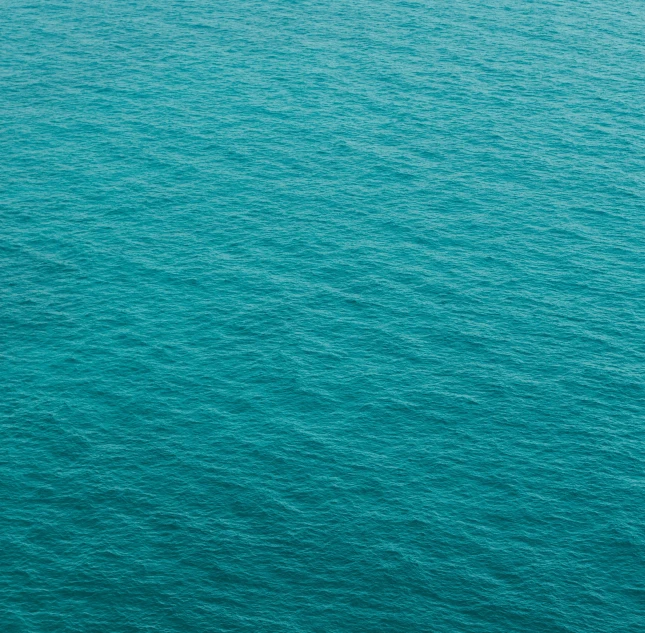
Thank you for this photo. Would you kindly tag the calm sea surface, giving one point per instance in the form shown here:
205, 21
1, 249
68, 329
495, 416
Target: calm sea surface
322, 316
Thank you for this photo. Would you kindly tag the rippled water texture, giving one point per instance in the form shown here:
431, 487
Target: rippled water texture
322, 316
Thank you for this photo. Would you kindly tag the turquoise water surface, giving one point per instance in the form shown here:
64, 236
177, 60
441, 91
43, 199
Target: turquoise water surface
322, 316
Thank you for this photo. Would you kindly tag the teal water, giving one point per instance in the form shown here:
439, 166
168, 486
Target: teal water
322, 316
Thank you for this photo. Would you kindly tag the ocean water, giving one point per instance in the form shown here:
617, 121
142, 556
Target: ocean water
322, 316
